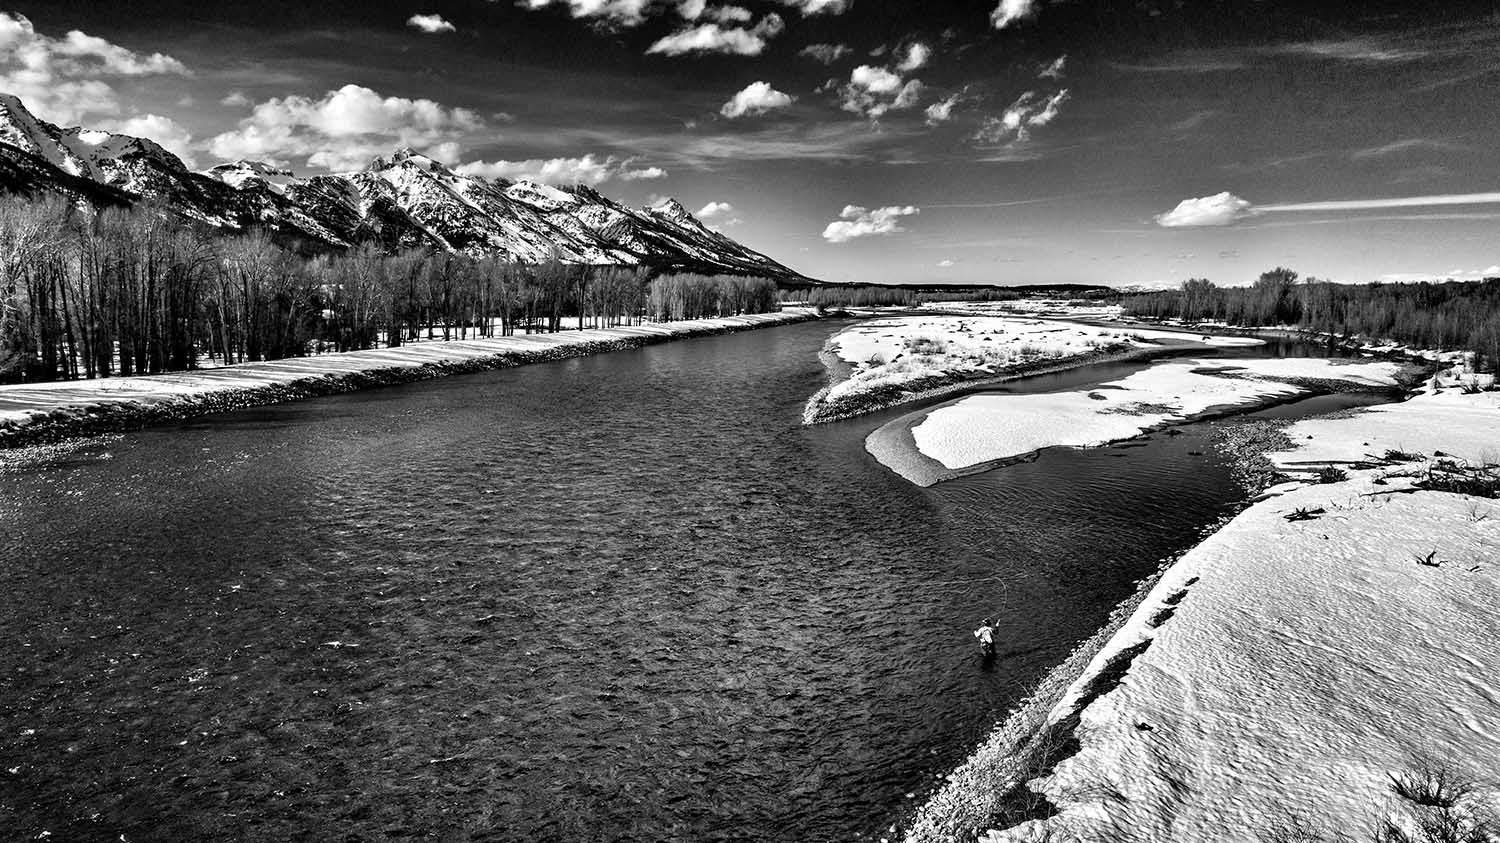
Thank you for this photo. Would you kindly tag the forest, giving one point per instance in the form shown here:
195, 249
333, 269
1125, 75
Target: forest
1447, 316
122, 292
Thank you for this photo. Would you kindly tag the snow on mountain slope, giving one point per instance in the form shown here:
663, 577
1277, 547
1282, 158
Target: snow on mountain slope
404, 201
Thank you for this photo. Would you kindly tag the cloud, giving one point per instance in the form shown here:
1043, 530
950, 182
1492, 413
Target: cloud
715, 38
719, 213
874, 91
1055, 69
62, 79
1010, 11
945, 263
1359, 50
819, 7
430, 24
1226, 208
941, 111
756, 98
167, 133
1026, 113
855, 221
344, 129
916, 57
730, 14
236, 99
619, 12
1218, 210
1401, 146
825, 53
714, 210
589, 169
1439, 200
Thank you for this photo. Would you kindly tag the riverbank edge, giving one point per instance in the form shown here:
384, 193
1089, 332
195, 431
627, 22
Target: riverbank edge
1018, 748
106, 414
1023, 745
894, 446
942, 386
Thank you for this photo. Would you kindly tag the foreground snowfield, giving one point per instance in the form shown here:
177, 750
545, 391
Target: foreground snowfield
984, 428
24, 405
1279, 675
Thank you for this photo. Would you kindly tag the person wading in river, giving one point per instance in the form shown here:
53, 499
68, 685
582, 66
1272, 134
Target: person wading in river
986, 635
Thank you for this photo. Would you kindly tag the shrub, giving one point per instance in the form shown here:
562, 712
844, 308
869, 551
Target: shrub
1332, 474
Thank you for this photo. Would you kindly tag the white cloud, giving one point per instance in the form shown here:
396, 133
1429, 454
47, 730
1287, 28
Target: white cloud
1226, 208
589, 169
916, 57
856, 221
1010, 11
715, 38
876, 80
62, 79
430, 24
344, 129
720, 213
1049, 109
168, 133
945, 263
873, 91
1217, 210
621, 12
819, 7
756, 98
941, 111
730, 14
1055, 69
825, 53
236, 99
1015, 123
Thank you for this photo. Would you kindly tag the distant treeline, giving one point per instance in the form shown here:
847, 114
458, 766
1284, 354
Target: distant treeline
123, 292
1449, 316
877, 295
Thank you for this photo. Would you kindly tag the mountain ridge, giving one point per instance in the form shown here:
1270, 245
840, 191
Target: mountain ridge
403, 200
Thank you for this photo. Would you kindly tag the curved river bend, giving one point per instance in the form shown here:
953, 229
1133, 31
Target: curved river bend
623, 597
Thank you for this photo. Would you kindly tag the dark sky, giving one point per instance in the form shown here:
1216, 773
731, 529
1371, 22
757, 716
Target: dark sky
1034, 142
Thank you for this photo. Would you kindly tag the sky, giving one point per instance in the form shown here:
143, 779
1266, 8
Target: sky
1002, 141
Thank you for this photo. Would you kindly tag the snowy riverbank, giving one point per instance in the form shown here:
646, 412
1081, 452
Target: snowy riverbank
886, 362
1329, 642
43, 412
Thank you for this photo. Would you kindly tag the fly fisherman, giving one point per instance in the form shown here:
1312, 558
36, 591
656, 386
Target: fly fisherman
986, 635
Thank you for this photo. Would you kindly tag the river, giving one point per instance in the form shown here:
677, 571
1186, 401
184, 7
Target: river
625, 597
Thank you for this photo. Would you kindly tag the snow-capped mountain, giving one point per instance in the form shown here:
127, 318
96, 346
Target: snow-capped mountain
401, 201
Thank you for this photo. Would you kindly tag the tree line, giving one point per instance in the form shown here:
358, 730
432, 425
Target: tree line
133, 291
1447, 316
877, 295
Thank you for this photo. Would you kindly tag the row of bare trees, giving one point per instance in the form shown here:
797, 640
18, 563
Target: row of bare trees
1449, 316
122, 292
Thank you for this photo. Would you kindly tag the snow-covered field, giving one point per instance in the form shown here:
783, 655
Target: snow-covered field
913, 350
1282, 676
983, 428
25, 404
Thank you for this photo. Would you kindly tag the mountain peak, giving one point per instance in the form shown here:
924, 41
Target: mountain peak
408, 156
671, 209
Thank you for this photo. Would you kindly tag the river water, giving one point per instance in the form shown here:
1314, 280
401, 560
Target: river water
625, 597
